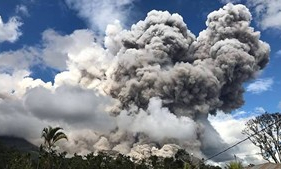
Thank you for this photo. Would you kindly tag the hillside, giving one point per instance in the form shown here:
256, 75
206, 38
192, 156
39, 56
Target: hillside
18, 143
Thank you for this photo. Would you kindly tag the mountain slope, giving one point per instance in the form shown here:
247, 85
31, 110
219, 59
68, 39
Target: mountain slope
18, 143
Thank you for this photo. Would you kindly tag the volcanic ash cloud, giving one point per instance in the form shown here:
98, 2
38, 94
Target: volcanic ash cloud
163, 81
167, 81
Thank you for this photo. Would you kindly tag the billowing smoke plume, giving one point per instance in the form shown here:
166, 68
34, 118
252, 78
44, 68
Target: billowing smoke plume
166, 81
161, 82
159, 57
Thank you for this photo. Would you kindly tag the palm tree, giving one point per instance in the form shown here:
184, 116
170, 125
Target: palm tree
51, 136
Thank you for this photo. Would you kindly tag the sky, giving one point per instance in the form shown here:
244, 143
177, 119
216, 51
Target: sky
56, 68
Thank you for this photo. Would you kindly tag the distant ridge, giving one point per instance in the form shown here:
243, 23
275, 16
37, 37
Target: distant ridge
18, 143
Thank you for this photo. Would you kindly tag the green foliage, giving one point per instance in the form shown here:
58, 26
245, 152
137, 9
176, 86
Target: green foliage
13, 159
234, 165
187, 166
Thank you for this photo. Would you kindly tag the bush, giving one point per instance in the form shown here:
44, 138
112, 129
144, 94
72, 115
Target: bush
235, 165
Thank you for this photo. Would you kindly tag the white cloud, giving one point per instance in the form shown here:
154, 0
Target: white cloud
279, 105
73, 108
228, 1
158, 119
268, 13
260, 85
11, 61
57, 48
230, 130
16, 84
22, 9
72, 105
16, 121
259, 110
239, 114
54, 51
243, 114
23, 114
9, 83
278, 54
10, 31
101, 13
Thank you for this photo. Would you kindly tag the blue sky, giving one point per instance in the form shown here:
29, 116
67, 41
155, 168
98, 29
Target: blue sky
39, 40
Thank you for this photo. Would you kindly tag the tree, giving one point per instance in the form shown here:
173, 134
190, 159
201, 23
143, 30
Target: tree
51, 136
47, 155
264, 132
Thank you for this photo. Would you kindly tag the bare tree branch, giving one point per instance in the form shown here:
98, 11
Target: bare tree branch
264, 132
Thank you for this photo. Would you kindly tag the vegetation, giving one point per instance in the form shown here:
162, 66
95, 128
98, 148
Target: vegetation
51, 136
48, 158
264, 131
13, 159
234, 165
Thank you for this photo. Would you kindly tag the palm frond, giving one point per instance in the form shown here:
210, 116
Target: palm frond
53, 131
51, 136
58, 136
